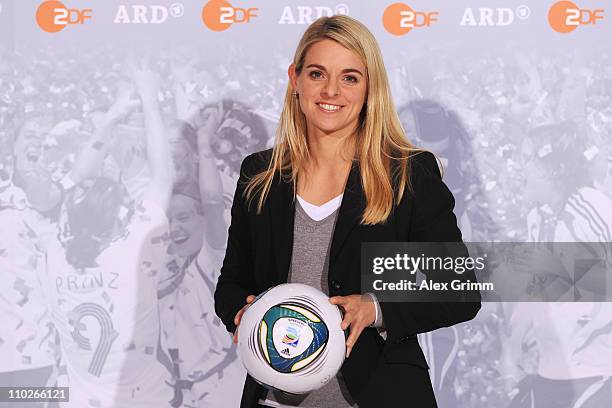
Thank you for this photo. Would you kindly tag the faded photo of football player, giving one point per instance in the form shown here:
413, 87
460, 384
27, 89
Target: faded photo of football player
105, 266
202, 352
559, 353
27, 340
440, 130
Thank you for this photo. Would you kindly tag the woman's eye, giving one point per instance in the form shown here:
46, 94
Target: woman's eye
319, 75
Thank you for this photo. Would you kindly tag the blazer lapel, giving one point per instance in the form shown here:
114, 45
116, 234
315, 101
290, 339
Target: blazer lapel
282, 214
282, 208
349, 215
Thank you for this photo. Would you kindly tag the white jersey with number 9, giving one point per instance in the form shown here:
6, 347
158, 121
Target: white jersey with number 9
108, 320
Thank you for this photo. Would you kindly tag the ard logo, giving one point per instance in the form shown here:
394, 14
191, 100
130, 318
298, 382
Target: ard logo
493, 17
308, 14
147, 14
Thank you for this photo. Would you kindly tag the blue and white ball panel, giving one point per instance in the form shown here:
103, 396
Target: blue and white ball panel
291, 340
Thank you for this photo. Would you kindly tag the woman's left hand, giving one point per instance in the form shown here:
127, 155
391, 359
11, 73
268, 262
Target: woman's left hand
359, 313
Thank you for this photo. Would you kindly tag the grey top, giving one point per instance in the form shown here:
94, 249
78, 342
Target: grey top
309, 265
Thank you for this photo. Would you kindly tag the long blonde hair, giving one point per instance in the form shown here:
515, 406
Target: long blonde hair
380, 137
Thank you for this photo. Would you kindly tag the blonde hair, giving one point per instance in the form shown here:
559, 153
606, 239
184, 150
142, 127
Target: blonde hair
380, 137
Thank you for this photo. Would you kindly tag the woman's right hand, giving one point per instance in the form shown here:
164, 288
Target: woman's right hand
249, 300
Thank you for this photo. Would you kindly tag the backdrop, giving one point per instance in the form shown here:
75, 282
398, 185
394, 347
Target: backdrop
107, 267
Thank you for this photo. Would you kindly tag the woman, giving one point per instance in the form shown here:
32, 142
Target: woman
341, 173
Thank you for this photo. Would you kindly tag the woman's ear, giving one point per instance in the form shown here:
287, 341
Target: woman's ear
292, 77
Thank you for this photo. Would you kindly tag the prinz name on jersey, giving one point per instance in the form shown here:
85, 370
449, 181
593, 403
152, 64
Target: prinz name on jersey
87, 281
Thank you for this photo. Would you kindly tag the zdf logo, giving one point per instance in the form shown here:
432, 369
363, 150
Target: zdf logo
399, 18
219, 15
565, 16
53, 16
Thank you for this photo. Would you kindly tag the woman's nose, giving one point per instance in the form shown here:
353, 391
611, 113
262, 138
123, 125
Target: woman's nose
331, 88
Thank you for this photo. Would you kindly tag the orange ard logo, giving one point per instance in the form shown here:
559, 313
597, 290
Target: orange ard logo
399, 18
53, 16
565, 16
219, 15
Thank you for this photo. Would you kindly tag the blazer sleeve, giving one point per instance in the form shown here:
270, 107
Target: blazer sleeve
236, 279
432, 220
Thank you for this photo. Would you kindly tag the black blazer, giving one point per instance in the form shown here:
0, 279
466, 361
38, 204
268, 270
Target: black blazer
378, 372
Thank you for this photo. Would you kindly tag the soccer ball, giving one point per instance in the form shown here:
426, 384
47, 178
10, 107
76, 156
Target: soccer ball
290, 339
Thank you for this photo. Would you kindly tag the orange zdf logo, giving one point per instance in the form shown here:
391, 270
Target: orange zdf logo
219, 15
399, 18
53, 16
566, 16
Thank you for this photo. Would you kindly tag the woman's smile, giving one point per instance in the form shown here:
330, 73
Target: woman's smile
329, 108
